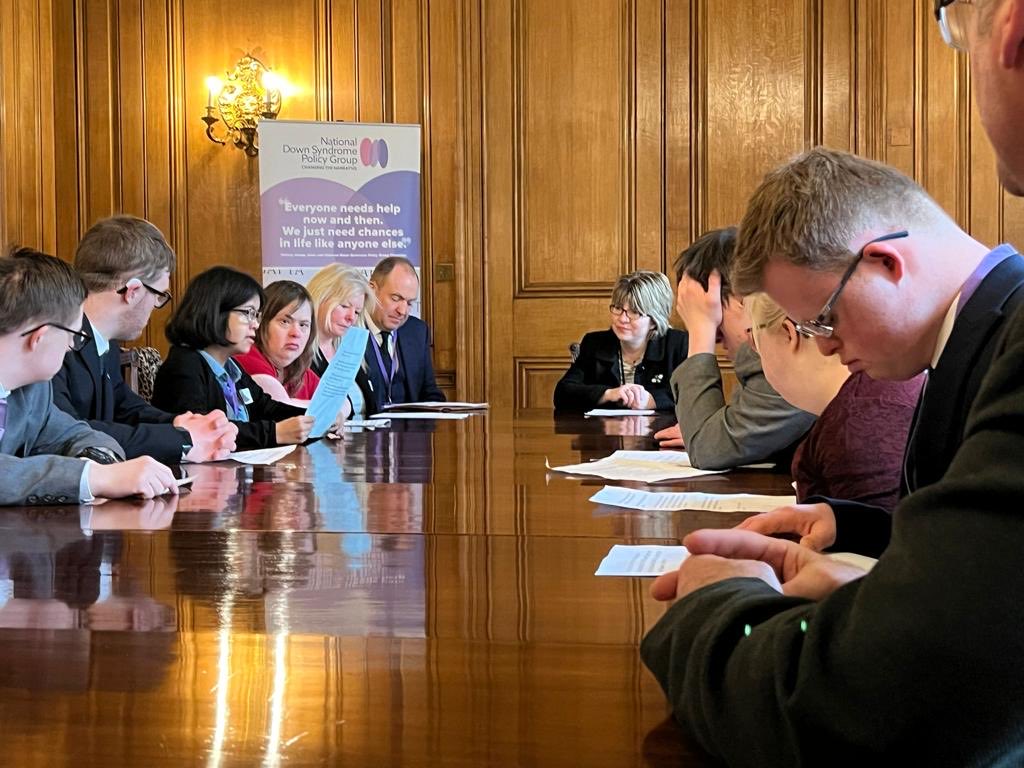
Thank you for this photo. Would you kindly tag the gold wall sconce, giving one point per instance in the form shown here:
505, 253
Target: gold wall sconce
251, 92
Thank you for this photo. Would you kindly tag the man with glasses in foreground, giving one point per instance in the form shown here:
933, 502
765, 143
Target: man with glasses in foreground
46, 456
917, 662
756, 424
126, 265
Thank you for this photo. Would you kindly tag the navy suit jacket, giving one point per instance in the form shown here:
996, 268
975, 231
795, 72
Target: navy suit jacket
941, 416
93, 390
415, 379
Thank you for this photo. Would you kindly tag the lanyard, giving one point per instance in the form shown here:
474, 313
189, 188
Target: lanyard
388, 377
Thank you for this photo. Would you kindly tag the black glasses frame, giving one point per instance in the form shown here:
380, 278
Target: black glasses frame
78, 338
163, 297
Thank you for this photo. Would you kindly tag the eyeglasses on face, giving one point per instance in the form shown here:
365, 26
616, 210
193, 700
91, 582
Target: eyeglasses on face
618, 311
823, 326
77, 341
162, 297
951, 15
252, 316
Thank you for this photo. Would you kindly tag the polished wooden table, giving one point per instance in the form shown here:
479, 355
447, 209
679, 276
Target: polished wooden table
416, 596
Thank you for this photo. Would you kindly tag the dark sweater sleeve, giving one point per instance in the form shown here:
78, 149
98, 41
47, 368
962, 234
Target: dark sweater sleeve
868, 675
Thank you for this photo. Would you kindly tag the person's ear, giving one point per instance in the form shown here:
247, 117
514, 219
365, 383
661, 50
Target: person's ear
886, 256
792, 335
132, 289
34, 339
1008, 27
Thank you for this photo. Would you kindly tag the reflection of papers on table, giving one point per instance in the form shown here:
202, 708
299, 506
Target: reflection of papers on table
641, 560
337, 380
640, 466
262, 455
621, 412
710, 502
371, 424
436, 407
418, 415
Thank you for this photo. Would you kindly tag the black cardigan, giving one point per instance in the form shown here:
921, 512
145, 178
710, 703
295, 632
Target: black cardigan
597, 369
185, 382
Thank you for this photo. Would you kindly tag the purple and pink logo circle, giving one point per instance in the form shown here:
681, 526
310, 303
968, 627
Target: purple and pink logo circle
374, 152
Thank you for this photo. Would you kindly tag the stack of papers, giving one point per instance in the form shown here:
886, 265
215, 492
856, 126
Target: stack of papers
647, 560
418, 415
710, 502
639, 466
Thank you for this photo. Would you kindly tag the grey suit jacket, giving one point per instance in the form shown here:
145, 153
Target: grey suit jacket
37, 450
754, 426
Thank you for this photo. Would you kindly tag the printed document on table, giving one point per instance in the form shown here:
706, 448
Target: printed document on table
621, 412
262, 455
709, 502
641, 560
337, 381
639, 466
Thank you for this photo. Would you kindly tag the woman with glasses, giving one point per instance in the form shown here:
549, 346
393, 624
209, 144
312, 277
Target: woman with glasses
218, 317
855, 449
629, 365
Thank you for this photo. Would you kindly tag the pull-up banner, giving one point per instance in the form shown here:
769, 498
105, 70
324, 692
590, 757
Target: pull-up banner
337, 192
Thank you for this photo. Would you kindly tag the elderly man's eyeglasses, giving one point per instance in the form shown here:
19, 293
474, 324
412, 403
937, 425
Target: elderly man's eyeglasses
77, 341
951, 15
162, 297
823, 325
252, 316
618, 311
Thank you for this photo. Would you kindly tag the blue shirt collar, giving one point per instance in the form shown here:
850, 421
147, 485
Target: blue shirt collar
231, 370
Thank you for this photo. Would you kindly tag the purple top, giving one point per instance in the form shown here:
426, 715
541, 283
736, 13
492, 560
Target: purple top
855, 449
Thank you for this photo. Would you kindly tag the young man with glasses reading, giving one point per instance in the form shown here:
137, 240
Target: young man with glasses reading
126, 266
47, 456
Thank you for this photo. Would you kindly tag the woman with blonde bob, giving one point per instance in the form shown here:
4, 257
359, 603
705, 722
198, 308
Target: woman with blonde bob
341, 297
629, 365
855, 449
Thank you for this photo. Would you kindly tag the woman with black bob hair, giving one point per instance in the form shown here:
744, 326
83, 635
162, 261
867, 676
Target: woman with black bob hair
217, 318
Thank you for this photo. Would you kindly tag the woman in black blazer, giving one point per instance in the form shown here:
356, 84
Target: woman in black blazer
217, 318
631, 364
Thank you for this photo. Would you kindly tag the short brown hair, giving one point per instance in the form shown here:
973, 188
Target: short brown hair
386, 266
808, 212
281, 295
37, 288
119, 248
711, 251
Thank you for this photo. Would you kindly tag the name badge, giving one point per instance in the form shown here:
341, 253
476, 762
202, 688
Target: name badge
246, 397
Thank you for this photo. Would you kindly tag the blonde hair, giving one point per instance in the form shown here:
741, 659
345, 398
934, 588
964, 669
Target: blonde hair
808, 211
336, 284
648, 293
765, 315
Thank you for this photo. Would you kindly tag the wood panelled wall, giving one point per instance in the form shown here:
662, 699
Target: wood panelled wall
564, 142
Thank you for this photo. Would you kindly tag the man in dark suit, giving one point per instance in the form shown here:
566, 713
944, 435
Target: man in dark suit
126, 264
915, 662
398, 351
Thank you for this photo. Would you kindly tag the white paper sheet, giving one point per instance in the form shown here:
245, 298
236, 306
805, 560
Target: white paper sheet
621, 412
443, 406
641, 560
262, 455
710, 502
418, 415
337, 381
356, 424
639, 466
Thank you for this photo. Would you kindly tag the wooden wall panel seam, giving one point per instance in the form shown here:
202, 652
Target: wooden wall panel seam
921, 71
963, 117
628, 256
322, 67
698, 118
814, 86
178, 148
82, 120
